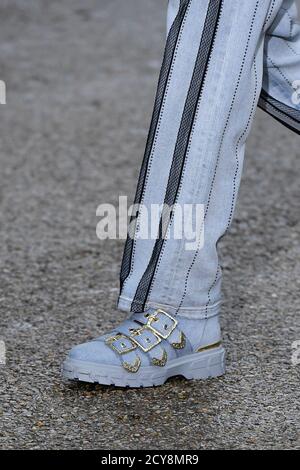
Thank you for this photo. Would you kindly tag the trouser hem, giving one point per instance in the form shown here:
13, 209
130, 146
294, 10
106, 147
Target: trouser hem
200, 312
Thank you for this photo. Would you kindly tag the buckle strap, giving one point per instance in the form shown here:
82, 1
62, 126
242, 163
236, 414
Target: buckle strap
161, 323
120, 343
145, 338
131, 362
159, 326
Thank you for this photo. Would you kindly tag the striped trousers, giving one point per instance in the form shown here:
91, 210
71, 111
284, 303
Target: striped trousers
223, 58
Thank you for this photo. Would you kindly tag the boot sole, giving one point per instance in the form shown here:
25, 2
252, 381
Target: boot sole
196, 366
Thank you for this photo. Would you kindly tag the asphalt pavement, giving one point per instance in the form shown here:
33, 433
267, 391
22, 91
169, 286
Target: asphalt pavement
81, 79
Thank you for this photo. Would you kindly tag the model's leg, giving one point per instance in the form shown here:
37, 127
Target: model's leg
208, 90
205, 106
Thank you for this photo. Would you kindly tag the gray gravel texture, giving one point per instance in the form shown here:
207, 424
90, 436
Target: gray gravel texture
81, 78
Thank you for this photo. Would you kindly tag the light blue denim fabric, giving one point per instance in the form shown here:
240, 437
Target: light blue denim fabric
248, 54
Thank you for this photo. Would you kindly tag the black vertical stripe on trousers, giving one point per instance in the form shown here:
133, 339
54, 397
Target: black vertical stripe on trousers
182, 143
289, 117
169, 53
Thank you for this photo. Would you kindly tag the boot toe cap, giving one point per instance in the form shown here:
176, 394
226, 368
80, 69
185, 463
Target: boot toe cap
94, 351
